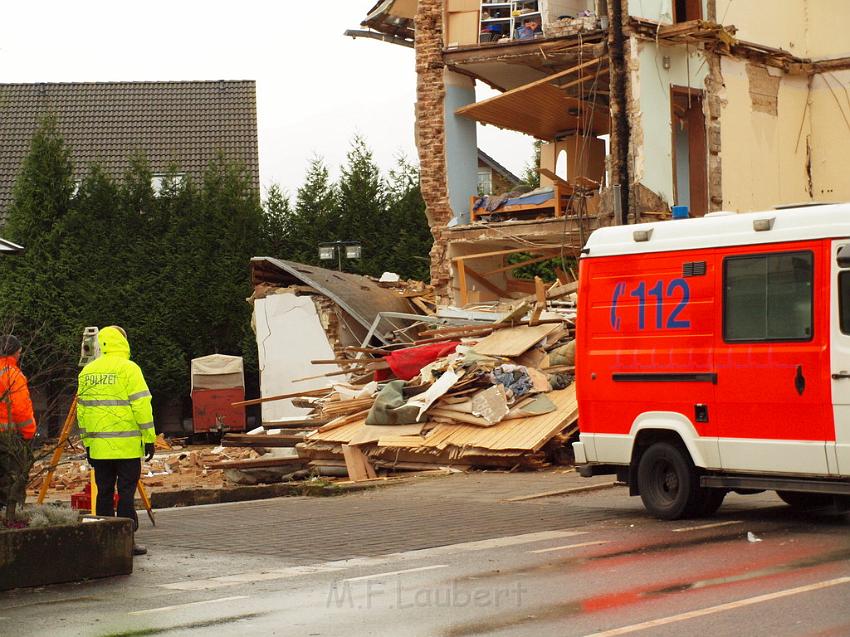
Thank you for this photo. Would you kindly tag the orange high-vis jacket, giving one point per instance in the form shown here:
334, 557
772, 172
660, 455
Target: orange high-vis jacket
15, 403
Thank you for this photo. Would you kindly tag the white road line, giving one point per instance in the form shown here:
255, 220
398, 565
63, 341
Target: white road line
206, 601
569, 546
741, 603
712, 525
390, 558
391, 573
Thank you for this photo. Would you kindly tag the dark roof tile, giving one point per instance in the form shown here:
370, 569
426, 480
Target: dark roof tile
183, 122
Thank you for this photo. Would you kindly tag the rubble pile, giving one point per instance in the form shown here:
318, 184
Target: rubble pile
495, 394
168, 471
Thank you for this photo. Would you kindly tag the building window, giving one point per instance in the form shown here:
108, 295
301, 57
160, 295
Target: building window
485, 181
158, 180
768, 297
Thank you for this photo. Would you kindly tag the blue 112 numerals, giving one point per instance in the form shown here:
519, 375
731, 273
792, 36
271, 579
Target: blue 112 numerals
658, 292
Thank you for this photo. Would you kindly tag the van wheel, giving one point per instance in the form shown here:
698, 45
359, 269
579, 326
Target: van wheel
805, 500
667, 482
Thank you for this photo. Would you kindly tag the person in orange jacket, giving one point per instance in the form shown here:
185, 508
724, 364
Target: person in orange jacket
16, 417
16, 411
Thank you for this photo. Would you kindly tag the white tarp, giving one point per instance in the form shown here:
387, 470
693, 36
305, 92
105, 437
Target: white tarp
217, 371
289, 336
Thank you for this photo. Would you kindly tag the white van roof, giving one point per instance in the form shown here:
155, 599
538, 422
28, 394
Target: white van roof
722, 229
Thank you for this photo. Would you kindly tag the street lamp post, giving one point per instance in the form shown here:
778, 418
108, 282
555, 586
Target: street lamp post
330, 250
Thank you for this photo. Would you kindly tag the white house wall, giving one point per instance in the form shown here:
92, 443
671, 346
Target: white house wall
764, 155
653, 166
658, 10
830, 117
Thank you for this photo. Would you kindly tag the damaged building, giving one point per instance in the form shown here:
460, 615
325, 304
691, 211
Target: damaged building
639, 105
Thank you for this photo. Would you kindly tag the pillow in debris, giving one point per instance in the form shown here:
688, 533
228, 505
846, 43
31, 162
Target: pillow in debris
391, 408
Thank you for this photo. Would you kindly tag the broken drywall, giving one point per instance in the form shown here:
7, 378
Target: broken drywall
289, 336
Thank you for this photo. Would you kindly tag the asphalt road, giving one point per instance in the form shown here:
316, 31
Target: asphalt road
756, 568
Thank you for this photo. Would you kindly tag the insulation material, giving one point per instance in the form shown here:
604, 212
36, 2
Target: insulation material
289, 336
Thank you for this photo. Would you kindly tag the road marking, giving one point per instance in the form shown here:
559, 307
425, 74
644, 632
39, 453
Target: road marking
206, 601
741, 603
713, 525
391, 573
569, 546
389, 558
549, 494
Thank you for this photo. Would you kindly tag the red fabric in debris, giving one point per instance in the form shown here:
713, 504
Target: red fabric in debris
406, 363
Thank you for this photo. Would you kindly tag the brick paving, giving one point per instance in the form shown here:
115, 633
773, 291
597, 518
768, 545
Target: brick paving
419, 514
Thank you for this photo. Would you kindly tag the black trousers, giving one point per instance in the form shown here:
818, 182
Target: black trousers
126, 473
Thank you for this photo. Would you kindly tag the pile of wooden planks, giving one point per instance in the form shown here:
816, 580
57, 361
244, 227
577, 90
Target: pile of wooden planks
486, 400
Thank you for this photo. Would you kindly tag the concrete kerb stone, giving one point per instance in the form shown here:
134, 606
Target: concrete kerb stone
51, 555
193, 497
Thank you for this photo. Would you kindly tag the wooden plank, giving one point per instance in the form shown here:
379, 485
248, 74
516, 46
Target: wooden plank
513, 341
306, 423
256, 463
275, 440
464, 287
484, 282
299, 394
357, 464
344, 420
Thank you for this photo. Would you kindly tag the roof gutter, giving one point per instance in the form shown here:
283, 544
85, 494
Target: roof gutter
375, 35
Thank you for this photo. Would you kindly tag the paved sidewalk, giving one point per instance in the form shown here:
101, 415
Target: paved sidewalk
422, 513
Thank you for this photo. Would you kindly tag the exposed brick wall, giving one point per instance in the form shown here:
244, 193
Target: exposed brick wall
713, 87
431, 131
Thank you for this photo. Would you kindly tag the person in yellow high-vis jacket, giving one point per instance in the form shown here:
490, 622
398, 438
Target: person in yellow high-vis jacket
116, 423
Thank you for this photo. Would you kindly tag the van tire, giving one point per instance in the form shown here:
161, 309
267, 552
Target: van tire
799, 500
668, 482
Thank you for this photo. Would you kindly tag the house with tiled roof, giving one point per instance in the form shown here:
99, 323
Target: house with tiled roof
172, 123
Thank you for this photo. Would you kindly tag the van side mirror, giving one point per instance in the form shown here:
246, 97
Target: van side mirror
843, 257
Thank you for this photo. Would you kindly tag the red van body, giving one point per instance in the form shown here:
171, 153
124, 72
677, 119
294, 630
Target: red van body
711, 356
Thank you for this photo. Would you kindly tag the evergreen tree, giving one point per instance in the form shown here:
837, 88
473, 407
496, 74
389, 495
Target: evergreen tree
531, 174
315, 218
277, 223
408, 227
363, 210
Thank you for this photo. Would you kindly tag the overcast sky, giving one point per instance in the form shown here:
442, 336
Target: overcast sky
315, 88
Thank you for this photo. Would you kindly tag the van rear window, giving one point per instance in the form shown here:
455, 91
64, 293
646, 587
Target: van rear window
768, 297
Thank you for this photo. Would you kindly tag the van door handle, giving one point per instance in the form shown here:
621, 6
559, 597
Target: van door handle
800, 381
840, 375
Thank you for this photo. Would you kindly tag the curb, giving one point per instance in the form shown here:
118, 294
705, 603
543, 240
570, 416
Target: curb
547, 494
194, 497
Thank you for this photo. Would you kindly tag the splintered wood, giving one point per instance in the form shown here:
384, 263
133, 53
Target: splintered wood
506, 444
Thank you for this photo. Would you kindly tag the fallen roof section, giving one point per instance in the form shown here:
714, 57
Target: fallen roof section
359, 296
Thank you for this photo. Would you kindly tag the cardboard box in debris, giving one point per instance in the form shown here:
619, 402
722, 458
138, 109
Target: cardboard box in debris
359, 375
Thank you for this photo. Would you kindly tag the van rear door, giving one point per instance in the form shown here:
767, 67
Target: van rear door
774, 410
839, 353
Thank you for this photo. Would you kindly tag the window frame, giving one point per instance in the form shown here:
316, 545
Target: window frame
841, 308
766, 255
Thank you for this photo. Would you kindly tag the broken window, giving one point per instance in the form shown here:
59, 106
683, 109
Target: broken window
686, 10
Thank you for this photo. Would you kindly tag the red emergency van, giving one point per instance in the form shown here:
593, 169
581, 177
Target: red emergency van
713, 354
